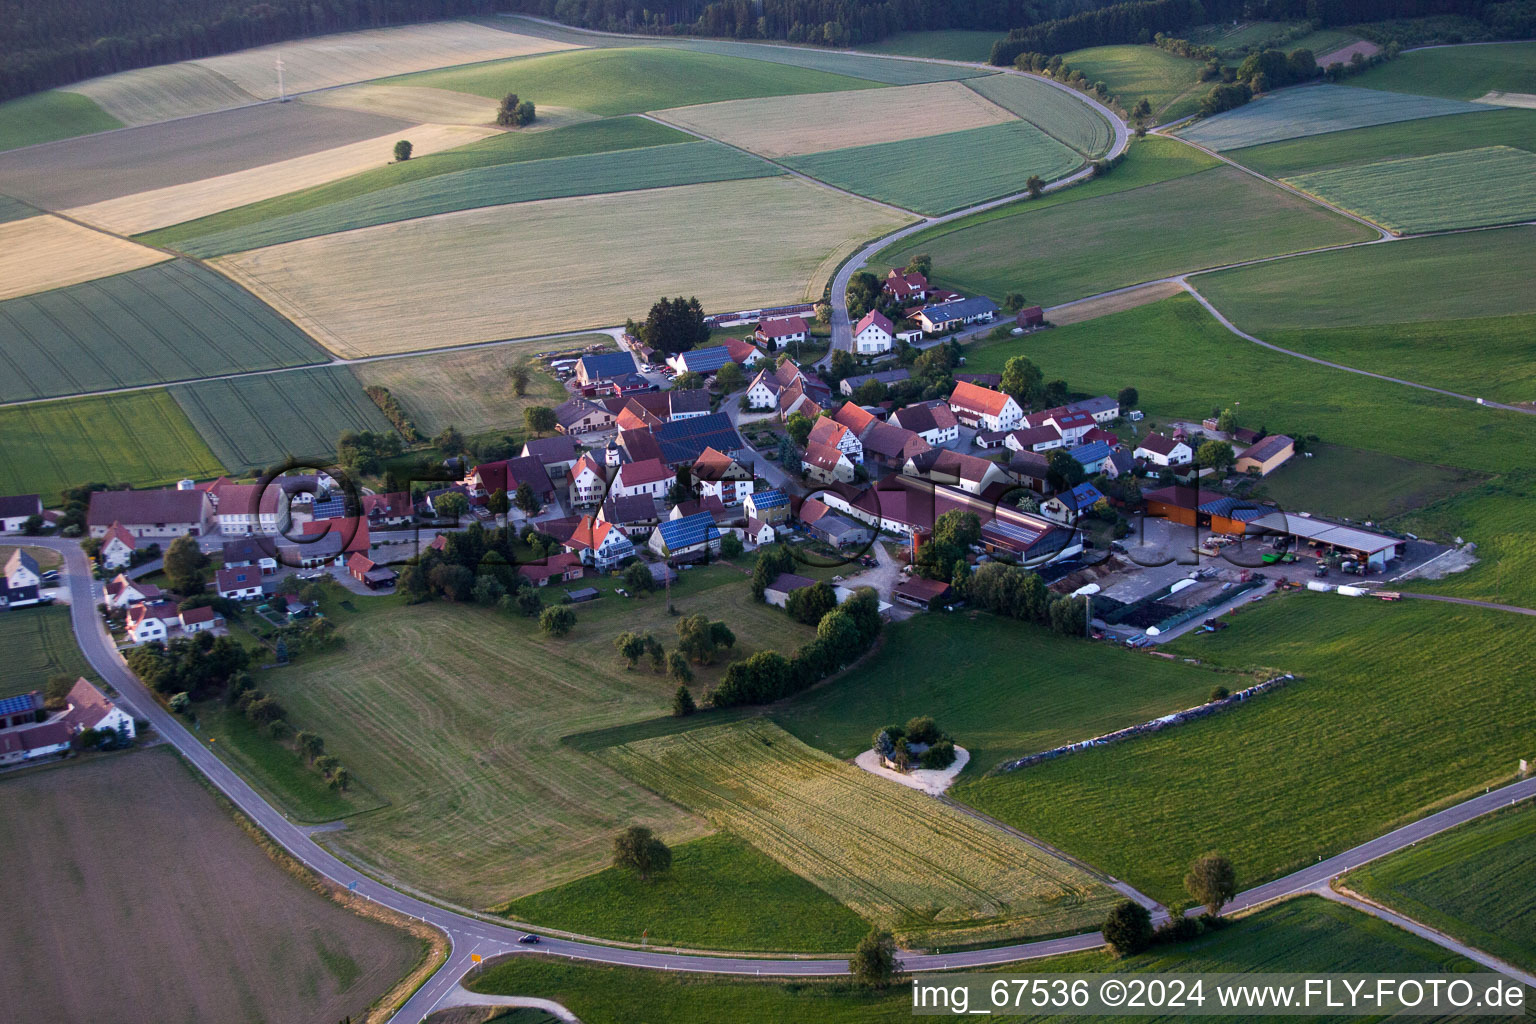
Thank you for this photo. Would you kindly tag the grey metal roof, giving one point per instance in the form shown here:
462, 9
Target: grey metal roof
1324, 532
960, 309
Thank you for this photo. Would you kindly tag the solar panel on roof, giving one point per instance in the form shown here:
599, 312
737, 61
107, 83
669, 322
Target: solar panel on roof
331, 508
1012, 531
11, 705
689, 530
770, 499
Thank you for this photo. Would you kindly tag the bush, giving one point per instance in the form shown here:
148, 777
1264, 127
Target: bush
1128, 928
181, 703
922, 729
939, 756
557, 621
1220, 693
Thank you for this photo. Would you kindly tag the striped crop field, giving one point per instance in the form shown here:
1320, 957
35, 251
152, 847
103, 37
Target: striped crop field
1471, 188
171, 321
623, 171
1315, 110
892, 854
587, 261
1054, 110
252, 422
944, 172
780, 126
139, 438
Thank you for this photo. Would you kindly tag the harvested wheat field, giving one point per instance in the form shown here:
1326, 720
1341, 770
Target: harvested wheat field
42, 253
930, 873
145, 881
777, 126
581, 262
1116, 302
347, 57
147, 95
162, 207
410, 103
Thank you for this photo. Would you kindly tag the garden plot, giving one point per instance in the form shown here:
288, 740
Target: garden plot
795, 125
93, 168
172, 321
590, 174
581, 262
1471, 188
162, 207
944, 172
1054, 110
1315, 110
40, 253
890, 853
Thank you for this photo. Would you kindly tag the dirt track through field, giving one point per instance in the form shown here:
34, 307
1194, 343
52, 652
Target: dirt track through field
42, 253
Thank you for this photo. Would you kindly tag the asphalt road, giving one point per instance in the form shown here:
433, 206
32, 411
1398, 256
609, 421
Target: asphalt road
472, 936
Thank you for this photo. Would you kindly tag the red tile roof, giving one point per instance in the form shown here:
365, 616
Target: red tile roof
638, 474
876, 318
783, 327
979, 400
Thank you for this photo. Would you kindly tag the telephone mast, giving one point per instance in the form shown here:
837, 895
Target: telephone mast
282, 97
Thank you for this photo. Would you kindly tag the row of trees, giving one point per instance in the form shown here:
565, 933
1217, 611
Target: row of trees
393, 411
1020, 594
672, 325
1211, 881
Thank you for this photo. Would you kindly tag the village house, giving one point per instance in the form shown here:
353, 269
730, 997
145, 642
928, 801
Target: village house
1266, 456
771, 506
785, 583
693, 506
16, 509
149, 622
758, 532
117, 548
905, 286
600, 544
933, 421
984, 409
702, 361
23, 582
1119, 464
825, 464
243, 509
160, 513
580, 416
564, 567
969, 473
589, 482
242, 583
1070, 505
887, 377
874, 334
1161, 450
1103, 409
601, 367
829, 432
658, 407
690, 538
120, 592
558, 454
681, 442
200, 620
832, 528
258, 551
507, 475
28, 732
1033, 439
945, 316
635, 514
1092, 456
718, 475
649, 478
1070, 425
384, 510
780, 331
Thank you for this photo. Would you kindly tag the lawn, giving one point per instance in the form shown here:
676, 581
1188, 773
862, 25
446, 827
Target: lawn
1171, 83
470, 390
652, 167
1471, 188
1500, 516
1341, 481
944, 172
39, 642
942, 44
1185, 363
140, 438
1055, 252
1477, 882
780, 126
171, 321
46, 116
1315, 110
602, 136
629, 80
1489, 357
720, 894
1460, 72
444, 712
1304, 934
582, 262
251, 422
201, 891
926, 871
1377, 733
1443, 277
1002, 689
1391, 142
1061, 113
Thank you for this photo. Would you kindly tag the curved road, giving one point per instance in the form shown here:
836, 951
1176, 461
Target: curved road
469, 935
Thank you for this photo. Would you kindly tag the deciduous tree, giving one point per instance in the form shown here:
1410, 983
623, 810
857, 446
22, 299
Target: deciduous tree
637, 849
1128, 928
1212, 880
540, 419
874, 960
402, 151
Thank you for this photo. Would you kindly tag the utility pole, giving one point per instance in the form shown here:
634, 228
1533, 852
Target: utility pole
282, 97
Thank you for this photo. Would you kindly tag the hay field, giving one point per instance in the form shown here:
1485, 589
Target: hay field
40, 253
589, 174
171, 321
795, 125
582, 262
893, 855
146, 875
162, 207
93, 168
944, 172
148, 95
139, 438
455, 715
469, 390
1055, 111
1315, 110
260, 420
1471, 188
